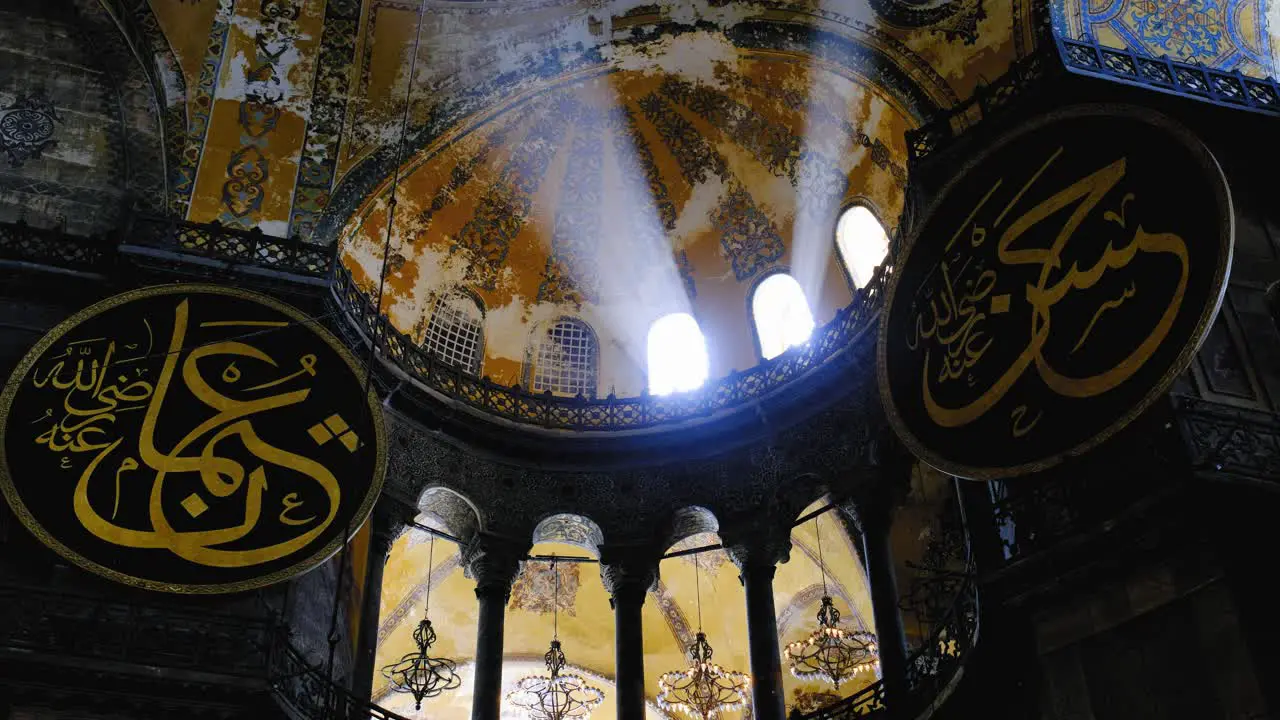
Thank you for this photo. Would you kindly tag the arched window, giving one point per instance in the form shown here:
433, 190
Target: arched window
862, 243
565, 359
455, 333
781, 314
677, 354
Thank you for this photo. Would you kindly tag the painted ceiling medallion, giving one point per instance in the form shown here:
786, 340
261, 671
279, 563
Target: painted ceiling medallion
954, 19
26, 127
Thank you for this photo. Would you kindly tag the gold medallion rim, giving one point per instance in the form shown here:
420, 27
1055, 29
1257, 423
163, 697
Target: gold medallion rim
19, 374
1226, 237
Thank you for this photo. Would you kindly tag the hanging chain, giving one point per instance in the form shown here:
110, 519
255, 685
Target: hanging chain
697, 586
822, 567
555, 603
431, 557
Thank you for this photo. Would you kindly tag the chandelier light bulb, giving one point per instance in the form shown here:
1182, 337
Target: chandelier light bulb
705, 689
830, 654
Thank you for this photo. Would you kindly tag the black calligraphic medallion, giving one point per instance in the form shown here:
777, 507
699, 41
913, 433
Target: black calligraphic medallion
191, 439
1058, 286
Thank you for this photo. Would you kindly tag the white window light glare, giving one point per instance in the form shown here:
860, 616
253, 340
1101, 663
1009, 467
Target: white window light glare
862, 242
781, 314
677, 355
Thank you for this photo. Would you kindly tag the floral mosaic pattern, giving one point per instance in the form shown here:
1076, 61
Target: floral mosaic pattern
1181, 28
27, 127
505, 207
1219, 34
748, 236
317, 166
571, 274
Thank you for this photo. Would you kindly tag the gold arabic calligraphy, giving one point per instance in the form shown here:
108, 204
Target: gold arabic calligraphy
89, 427
952, 329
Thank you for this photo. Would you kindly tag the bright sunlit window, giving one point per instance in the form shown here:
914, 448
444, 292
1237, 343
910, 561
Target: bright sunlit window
862, 243
677, 354
781, 313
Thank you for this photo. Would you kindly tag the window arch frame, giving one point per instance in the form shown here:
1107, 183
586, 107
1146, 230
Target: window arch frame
751, 310
461, 295
869, 205
533, 352
648, 364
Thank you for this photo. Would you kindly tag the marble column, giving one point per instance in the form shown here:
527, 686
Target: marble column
875, 514
757, 551
493, 564
628, 574
384, 528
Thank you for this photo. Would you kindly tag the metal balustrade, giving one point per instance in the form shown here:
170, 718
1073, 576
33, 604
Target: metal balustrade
1231, 89
609, 413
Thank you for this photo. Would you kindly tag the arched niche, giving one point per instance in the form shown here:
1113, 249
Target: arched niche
570, 529
444, 509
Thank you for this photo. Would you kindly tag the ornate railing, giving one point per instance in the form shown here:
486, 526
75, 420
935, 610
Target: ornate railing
610, 413
985, 101
306, 692
1230, 443
51, 246
932, 669
247, 248
39, 622
244, 247
1232, 89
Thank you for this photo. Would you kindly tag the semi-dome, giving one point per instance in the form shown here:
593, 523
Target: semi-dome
537, 241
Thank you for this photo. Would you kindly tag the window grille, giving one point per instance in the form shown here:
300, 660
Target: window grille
566, 359
454, 333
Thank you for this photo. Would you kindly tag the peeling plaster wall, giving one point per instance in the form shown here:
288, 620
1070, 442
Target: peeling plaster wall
337, 73
61, 134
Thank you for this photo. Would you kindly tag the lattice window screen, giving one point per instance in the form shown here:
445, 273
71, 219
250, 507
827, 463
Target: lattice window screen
566, 359
454, 333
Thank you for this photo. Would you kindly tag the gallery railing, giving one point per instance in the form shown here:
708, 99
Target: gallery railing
39, 622
1231, 89
245, 248
610, 413
306, 692
931, 670
51, 246
1229, 443
985, 101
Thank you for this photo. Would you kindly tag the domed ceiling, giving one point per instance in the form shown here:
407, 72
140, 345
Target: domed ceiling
620, 196
271, 108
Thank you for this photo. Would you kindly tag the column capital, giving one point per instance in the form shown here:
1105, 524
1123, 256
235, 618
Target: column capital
630, 571
493, 563
386, 523
758, 545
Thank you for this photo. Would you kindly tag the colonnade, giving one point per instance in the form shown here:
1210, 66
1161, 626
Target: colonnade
628, 574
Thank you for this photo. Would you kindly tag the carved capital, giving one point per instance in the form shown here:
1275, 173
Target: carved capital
386, 524
758, 546
628, 572
493, 564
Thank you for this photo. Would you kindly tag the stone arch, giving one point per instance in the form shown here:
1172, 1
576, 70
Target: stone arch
447, 510
687, 522
570, 529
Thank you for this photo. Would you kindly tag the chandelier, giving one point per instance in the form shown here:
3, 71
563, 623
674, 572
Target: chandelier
556, 695
704, 689
418, 673
831, 653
